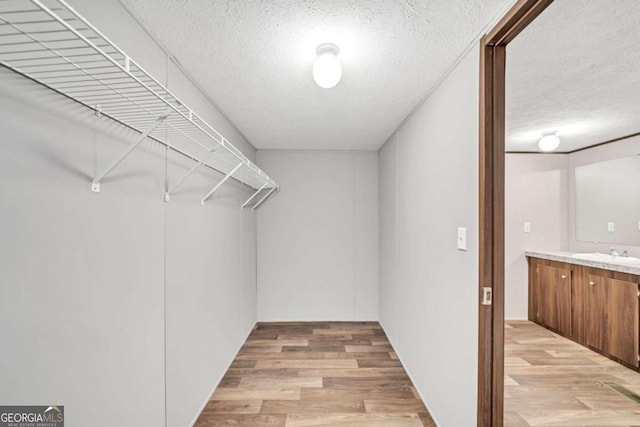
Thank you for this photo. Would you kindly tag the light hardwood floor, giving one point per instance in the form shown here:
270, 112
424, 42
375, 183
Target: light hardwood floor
552, 381
316, 374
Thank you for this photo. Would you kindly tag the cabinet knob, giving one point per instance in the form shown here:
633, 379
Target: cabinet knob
564, 277
592, 283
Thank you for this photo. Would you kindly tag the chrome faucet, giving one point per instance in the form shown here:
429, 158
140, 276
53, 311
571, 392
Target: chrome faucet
613, 252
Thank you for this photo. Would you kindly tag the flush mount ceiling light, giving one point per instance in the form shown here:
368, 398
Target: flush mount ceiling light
327, 70
549, 142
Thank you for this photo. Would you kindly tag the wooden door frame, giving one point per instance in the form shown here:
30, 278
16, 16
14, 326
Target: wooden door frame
491, 227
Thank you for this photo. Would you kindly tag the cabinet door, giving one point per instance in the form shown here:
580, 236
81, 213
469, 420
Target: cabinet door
554, 298
580, 290
622, 341
547, 299
597, 322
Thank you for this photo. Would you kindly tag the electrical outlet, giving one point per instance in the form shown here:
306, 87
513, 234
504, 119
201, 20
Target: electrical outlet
611, 227
527, 227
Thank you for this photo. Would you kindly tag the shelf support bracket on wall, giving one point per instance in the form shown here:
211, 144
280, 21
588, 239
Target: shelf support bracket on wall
174, 187
264, 198
218, 185
254, 195
95, 185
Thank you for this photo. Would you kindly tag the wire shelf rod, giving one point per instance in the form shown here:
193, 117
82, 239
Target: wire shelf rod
59, 49
108, 89
40, 21
264, 198
134, 115
62, 30
22, 32
72, 69
113, 81
65, 66
253, 195
20, 12
29, 61
82, 84
179, 182
77, 76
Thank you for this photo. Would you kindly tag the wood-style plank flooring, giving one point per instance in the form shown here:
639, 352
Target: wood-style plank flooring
316, 374
552, 381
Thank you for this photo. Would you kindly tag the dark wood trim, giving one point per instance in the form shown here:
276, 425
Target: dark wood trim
499, 109
515, 20
578, 149
605, 142
538, 152
485, 335
491, 238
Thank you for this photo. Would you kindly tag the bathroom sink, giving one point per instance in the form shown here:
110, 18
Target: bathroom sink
608, 258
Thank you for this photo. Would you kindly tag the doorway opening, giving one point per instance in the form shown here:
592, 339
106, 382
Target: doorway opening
572, 315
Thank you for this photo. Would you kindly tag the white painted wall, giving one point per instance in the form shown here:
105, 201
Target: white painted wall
536, 191
211, 287
89, 282
318, 238
428, 288
388, 209
210, 272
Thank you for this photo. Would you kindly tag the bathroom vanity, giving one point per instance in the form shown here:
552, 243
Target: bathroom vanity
592, 299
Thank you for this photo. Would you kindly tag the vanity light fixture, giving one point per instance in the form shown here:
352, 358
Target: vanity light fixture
327, 69
549, 142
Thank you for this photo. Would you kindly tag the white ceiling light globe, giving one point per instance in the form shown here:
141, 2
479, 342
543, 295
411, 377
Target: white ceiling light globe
327, 70
549, 142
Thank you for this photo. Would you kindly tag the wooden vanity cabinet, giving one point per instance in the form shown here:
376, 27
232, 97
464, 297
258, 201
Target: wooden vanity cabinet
597, 308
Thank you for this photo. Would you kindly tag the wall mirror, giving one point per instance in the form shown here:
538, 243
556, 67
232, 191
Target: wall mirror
608, 201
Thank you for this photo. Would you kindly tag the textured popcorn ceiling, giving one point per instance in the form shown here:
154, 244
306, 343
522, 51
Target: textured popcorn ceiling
576, 70
254, 59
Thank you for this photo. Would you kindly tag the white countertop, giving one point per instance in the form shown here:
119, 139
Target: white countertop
574, 258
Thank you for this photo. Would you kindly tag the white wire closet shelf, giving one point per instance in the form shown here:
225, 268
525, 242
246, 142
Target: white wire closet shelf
50, 43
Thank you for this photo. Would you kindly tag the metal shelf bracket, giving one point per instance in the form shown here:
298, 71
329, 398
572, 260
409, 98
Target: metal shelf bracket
95, 185
253, 196
264, 198
174, 187
219, 184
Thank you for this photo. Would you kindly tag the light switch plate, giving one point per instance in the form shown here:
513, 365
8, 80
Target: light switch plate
462, 238
527, 227
611, 227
